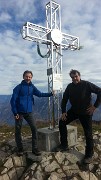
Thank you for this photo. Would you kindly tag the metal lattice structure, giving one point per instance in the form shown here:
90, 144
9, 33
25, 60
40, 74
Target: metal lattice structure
56, 41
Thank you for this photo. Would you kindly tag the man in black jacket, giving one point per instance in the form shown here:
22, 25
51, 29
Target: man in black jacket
79, 94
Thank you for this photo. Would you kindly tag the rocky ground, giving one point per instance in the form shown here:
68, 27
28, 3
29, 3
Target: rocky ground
50, 165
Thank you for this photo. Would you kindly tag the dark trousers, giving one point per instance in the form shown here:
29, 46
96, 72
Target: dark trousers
86, 122
18, 124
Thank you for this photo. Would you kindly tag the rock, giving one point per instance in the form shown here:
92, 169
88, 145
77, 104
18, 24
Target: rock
33, 166
50, 165
87, 175
71, 157
12, 174
19, 161
54, 176
72, 169
80, 139
19, 171
4, 177
98, 146
74, 178
39, 175
91, 167
9, 163
96, 133
4, 170
99, 134
60, 157
99, 140
79, 148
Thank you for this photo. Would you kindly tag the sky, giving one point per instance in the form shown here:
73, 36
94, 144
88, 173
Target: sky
79, 18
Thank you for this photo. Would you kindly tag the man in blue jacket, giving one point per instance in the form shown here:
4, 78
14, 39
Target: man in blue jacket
22, 101
79, 94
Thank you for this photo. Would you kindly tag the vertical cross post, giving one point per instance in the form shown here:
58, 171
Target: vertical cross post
54, 62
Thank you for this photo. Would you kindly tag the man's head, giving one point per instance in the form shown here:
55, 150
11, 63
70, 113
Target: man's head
75, 75
27, 76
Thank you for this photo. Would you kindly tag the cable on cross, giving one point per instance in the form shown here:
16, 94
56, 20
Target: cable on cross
39, 52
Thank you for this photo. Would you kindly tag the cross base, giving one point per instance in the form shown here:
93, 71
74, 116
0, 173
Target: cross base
49, 139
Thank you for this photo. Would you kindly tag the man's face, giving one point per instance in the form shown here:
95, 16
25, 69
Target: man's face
28, 77
75, 78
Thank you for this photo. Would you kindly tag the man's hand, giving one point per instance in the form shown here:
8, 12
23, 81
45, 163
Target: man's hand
90, 110
64, 117
17, 117
53, 92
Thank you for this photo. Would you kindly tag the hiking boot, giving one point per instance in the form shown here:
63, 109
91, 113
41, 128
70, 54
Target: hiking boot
87, 159
62, 148
36, 152
20, 151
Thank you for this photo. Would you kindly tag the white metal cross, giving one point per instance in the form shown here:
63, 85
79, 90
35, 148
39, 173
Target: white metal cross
56, 41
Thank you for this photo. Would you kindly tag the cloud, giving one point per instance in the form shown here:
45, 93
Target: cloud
16, 58
5, 17
79, 18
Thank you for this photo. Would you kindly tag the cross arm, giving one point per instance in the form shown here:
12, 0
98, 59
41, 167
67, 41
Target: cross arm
34, 32
70, 42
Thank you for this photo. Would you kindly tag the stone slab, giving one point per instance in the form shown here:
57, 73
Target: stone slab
71, 135
49, 139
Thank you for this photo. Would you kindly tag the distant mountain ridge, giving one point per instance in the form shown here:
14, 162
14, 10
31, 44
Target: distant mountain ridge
40, 109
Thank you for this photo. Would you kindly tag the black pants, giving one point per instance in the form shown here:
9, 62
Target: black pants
86, 122
18, 124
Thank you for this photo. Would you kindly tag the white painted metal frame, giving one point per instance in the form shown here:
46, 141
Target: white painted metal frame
37, 33
33, 32
54, 62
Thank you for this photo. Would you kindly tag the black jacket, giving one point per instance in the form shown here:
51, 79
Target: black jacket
79, 96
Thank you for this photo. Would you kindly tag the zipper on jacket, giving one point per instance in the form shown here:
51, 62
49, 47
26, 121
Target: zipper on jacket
27, 98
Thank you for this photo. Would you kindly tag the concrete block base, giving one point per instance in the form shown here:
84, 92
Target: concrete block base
49, 139
71, 135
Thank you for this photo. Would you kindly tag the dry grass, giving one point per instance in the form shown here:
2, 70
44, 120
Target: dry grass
7, 132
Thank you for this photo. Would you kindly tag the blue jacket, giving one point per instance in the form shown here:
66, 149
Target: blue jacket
22, 99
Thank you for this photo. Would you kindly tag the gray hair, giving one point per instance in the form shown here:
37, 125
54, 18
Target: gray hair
27, 71
73, 71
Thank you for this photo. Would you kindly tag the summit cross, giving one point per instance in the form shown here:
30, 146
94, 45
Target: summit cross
55, 42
